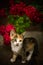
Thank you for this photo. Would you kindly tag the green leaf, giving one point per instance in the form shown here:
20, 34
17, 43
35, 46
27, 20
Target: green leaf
20, 22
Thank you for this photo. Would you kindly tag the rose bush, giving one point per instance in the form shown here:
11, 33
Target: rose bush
20, 16
17, 9
5, 31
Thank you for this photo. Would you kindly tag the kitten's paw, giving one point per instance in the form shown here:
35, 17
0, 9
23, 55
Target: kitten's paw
23, 61
12, 60
28, 59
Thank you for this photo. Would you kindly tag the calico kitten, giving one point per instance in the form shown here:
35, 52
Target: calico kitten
16, 44
22, 46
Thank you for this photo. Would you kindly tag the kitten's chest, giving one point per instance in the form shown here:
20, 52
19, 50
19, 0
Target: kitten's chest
15, 48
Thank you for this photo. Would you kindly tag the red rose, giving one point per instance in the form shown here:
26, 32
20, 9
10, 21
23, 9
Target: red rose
5, 32
32, 13
17, 9
6, 39
9, 27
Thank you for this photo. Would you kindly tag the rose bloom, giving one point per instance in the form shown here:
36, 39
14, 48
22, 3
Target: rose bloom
17, 9
5, 31
6, 39
9, 27
32, 13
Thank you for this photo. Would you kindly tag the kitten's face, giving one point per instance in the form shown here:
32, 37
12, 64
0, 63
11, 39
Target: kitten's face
16, 39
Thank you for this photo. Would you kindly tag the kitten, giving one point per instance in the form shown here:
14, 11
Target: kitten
21, 46
16, 44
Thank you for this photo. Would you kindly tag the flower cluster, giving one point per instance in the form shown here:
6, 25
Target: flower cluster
9, 27
21, 9
5, 31
17, 9
30, 11
20, 15
6, 39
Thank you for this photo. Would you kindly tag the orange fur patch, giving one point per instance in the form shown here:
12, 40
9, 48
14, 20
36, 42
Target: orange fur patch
30, 46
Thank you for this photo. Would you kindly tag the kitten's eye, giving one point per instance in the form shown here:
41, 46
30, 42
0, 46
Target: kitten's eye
20, 41
12, 34
12, 40
15, 40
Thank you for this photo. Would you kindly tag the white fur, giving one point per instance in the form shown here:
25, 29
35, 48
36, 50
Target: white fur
23, 61
12, 60
30, 55
16, 48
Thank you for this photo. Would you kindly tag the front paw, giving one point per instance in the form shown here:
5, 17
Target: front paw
28, 59
23, 61
12, 60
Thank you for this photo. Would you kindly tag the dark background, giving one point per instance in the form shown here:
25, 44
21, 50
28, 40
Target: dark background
5, 3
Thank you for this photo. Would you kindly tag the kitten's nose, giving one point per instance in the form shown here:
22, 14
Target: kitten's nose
17, 44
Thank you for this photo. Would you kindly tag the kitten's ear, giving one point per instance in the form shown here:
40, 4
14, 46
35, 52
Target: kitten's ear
23, 34
12, 34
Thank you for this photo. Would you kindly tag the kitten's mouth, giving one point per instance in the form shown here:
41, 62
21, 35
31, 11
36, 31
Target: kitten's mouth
17, 44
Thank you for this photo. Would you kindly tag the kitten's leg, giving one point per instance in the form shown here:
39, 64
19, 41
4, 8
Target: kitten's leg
23, 57
23, 61
13, 59
30, 55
